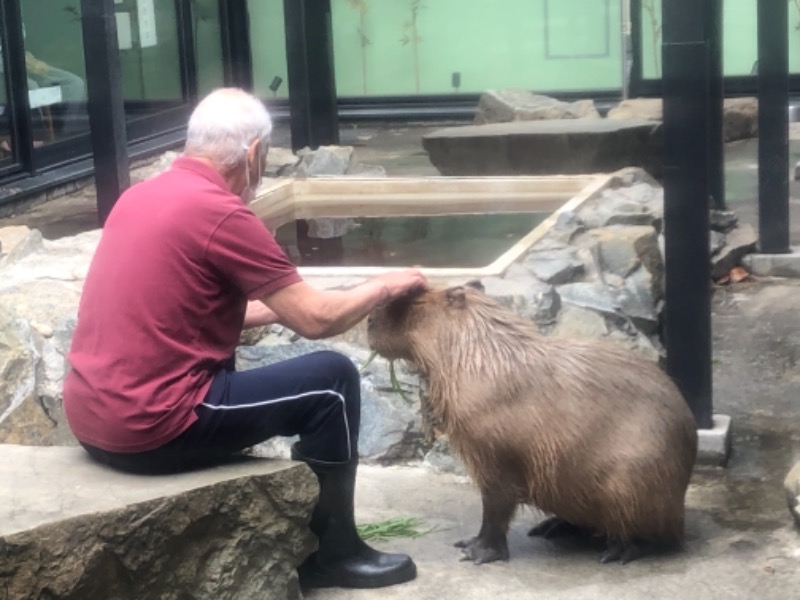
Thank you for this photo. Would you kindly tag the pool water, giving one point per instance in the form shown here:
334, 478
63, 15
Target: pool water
472, 240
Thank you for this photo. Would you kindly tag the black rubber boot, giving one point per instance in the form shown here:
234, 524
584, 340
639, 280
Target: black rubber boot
343, 558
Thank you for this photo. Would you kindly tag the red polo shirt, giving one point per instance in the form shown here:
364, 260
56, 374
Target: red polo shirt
163, 305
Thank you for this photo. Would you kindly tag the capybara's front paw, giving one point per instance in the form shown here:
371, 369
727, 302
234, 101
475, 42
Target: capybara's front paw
621, 550
481, 551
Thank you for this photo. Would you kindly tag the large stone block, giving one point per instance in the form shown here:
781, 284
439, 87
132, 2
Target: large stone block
502, 106
563, 146
73, 530
739, 116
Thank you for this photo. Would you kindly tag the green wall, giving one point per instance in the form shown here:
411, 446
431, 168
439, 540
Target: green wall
740, 39
398, 47
413, 46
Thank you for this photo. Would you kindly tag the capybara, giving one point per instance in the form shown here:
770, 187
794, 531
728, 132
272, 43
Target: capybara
585, 430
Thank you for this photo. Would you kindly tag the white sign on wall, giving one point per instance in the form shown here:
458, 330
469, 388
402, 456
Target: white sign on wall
147, 23
124, 36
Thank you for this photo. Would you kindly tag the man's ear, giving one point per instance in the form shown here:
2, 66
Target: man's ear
253, 152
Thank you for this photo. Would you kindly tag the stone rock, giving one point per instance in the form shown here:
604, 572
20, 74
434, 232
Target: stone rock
636, 301
325, 161
36, 416
501, 106
18, 359
71, 529
10, 237
630, 176
554, 266
41, 289
773, 265
791, 487
548, 305
637, 204
516, 294
722, 221
622, 249
574, 322
631, 214
641, 344
590, 295
549, 147
441, 459
740, 119
738, 243
23, 246
567, 225
149, 168
716, 242
279, 160
639, 109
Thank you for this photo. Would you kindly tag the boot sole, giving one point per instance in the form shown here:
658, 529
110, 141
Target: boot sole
327, 579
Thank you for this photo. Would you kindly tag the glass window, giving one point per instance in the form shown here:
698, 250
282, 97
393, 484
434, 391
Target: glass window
55, 68
268, 48
207, 45
149, 53
6, 141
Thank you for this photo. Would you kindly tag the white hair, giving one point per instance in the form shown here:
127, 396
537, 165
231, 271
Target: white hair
224, 124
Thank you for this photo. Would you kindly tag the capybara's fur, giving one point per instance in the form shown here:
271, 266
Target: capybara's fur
585, 430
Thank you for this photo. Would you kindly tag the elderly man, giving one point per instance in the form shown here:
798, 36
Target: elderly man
182, 266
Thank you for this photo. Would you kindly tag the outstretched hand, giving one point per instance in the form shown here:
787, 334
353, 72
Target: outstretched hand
399, 282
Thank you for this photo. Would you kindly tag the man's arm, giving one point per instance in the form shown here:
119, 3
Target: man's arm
259, 314
317, 314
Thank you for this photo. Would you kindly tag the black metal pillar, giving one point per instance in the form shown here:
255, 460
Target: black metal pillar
716, 103
636, 72
686, 204
106, 108
773, 126
19, 117
237, 54
312, 81
188, 55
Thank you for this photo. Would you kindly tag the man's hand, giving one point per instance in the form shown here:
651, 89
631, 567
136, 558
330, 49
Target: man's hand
399, 282
316, 314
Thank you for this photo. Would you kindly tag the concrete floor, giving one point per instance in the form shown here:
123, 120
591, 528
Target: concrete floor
741, 542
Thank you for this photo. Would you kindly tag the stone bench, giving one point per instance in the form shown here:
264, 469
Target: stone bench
70, 528
547, 147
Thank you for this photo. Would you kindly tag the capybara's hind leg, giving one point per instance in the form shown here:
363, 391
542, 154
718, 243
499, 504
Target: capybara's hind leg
623, 550
491, 543
555, 527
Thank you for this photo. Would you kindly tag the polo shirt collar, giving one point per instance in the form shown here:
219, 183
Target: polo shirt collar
188, 163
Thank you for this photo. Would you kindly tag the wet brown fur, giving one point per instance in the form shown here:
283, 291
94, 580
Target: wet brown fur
585, 430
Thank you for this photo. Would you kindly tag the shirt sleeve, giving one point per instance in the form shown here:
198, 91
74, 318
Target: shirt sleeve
244, 251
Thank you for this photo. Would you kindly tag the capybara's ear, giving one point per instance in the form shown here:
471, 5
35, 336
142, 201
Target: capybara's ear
456, 296
476, 284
